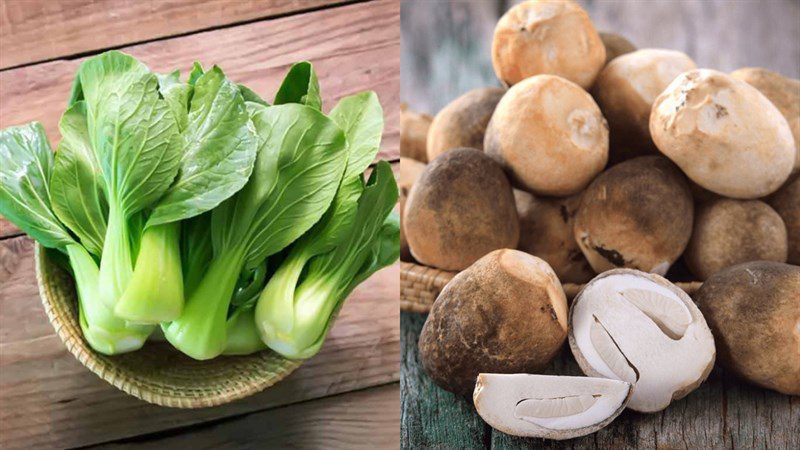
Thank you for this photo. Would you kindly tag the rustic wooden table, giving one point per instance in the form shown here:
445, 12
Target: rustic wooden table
446, 51
348, 395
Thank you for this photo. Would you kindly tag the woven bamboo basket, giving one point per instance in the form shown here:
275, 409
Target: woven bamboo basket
158, 373
420, 285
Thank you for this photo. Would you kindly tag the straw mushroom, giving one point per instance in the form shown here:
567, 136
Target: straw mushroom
753, 310
786, 203
625, 91
410, 170
414, 133
729, 232
640, 328
549, 135
545, 230
783, 92
507, 313
637, 214
462, 123
546, 406
724, 134
459, 209
547, 37
615, 45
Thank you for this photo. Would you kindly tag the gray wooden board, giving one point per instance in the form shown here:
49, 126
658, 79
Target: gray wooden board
446, 45
724, 412
432, 418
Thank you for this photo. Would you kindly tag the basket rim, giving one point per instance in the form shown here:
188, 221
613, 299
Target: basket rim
104, 367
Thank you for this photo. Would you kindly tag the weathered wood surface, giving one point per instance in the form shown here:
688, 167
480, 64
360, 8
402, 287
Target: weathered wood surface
432, 418
37, 30
7, 229
722, 413
446, 46
49, 399
353, 48
365, 419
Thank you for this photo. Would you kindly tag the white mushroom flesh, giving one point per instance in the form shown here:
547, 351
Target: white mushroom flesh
554, 407
628, 327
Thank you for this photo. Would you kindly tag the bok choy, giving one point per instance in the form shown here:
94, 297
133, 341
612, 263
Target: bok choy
234, 224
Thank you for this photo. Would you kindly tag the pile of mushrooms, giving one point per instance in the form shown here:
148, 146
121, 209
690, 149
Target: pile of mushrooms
620, 168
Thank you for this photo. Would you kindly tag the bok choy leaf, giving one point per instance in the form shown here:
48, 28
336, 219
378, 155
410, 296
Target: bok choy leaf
299, 164
25, 199
218, 149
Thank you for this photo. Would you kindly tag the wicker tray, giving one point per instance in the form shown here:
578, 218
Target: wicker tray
420, 285
158, 373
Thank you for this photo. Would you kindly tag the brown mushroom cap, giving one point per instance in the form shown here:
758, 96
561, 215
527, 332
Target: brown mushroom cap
547, 37
729, 232
625, 91
460, 209
549, 135
615, 45
724, 134
786, 203
753, 310
637, 214
462, 123
783, 92
410, 170
414, 133
545, 231
506, 313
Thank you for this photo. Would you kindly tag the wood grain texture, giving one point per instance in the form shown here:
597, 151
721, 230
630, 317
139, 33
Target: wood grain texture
446, 45
722, 413
49, 399
7, 229
432, 418
357, 420
37, 30
353, 48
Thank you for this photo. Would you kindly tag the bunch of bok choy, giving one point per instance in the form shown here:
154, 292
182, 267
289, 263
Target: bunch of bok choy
196, 206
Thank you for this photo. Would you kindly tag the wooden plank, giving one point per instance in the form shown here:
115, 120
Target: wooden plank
37, 30
7, 229
432, 417
49, 399
722, 413
353, 48
365, 419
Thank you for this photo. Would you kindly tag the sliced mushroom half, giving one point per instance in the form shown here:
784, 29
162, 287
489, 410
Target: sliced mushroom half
546, 406
640, 328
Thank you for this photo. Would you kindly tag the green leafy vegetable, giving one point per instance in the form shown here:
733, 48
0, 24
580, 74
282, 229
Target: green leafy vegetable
300, 86
24, 199
76, 186
361, 117
218, 152
298, 167
24, 185
137, 143
242, 334
198, 206
298, 328
196, 251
